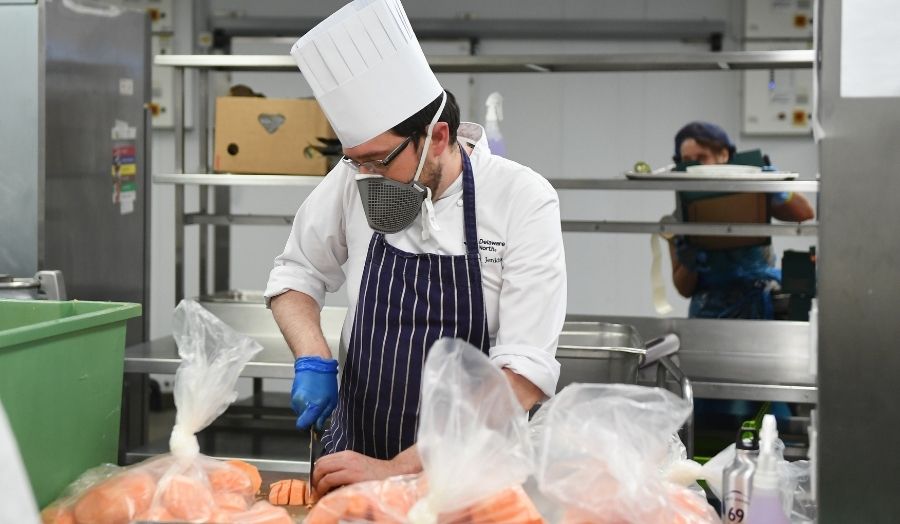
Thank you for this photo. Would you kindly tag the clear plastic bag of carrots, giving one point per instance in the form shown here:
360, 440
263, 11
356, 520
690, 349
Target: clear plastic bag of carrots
182, 486
474, 444
601, 453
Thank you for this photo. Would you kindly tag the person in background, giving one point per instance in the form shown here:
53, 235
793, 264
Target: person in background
729, 283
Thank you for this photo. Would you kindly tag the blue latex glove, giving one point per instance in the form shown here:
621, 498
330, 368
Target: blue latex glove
778, 199
694, 259
314, 394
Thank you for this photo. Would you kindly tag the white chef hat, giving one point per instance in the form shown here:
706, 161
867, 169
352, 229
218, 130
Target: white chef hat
366, 69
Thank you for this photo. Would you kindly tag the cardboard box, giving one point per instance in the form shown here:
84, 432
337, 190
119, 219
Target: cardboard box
743, 208
269, 136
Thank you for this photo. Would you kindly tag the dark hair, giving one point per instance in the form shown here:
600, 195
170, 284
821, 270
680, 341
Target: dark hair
706, 135
418, 123
716, 146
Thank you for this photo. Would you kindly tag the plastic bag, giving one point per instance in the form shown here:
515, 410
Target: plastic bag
16, 498
793, 482
473, 441
601, 452
183, 486
803, 507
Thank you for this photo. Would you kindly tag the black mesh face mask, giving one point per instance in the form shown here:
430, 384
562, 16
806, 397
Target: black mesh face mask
392, 206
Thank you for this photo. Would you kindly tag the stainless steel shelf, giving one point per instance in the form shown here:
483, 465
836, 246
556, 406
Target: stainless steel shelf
244, 220
492, 28
600, 184
224, 179
738, 230
624, 184
569, 226
722, 61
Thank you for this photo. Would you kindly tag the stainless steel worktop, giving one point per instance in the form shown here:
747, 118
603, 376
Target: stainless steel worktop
733, 359
161, 356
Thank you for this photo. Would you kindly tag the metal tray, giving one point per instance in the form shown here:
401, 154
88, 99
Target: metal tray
599, 352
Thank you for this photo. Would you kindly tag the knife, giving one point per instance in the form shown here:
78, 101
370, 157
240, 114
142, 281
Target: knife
315, 450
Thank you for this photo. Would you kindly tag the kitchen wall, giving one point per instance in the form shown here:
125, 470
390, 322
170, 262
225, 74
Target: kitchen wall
584, 125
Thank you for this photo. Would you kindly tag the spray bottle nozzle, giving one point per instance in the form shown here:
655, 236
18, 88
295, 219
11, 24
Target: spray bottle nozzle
768, 434
494, 105
766, 475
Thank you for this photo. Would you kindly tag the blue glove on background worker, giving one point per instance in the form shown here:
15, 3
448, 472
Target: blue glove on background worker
314, 394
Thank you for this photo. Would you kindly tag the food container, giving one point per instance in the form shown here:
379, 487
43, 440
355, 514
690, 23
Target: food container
599, 352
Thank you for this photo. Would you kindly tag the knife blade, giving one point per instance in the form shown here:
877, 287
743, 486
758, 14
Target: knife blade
315, 450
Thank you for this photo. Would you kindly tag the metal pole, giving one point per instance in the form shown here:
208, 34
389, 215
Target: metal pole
203, 149
178, 107
222, 241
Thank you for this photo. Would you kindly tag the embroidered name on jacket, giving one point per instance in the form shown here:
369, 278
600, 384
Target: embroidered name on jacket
492, 249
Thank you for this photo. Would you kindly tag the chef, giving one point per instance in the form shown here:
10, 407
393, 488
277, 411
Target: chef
433, 236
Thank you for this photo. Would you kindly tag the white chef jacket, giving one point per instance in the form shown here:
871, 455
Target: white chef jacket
523, 267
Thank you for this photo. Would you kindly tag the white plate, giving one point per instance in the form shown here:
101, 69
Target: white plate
723, 169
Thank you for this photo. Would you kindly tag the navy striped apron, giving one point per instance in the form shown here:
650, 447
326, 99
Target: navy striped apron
406, 303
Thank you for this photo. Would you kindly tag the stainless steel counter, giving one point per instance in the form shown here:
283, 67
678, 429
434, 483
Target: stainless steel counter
731, 359
735, 359
161, 356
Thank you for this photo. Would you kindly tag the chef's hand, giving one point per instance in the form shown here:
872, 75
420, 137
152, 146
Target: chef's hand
314, 393
349, 467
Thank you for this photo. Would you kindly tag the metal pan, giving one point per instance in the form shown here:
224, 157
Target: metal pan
599, 352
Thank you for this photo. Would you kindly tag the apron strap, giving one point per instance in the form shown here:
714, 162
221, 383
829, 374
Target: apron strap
471, 227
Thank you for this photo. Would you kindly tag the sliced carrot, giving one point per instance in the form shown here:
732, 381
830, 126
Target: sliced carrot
397, 497
263, 513
345, 504
298, 487
57, 515
230, 502
686, 507
188, 499
234, 476
227, 479
157, 514
284, 495
274, 490
251, 471
509, 505
116, 500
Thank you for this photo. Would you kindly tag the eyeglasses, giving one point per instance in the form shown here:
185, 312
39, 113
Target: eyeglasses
378, 166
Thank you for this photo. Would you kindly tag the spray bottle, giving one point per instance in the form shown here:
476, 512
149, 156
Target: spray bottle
737, 478
494, 106
765, 500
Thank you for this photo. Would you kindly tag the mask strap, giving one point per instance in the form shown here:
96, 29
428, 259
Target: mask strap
434, 120
429, 221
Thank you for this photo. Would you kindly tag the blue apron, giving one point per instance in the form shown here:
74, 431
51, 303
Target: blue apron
406, 303
737, 284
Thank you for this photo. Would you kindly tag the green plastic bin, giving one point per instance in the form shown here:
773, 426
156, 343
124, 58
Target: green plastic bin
61, 366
